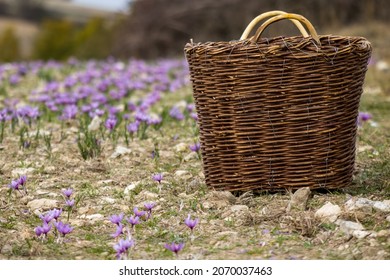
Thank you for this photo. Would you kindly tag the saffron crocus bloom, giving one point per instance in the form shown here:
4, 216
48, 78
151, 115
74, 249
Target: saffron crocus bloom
133, 220
63, 228
38, 231
45, 228
133, 127
110, 123
176, 113
116, 219
69, 112
68, 192
157, 177
47, 218
149, 206
15, 184
175, 248
195, 147
194, 116
119, 231
69, 203
56, 213
363, 117
138, 213
122, 247
22, 180
191, 223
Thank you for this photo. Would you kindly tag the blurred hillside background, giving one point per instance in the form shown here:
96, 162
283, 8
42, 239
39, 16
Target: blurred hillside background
59, 29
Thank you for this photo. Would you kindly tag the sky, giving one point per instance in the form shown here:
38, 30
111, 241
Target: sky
111, 5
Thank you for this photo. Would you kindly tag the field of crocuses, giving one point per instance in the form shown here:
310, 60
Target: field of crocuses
101, 160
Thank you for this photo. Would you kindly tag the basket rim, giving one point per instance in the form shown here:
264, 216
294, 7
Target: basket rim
268, 41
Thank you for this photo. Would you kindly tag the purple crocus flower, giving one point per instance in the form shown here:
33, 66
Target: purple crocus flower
149, 206
195, 147
15, 184
133, 127
154, 120
138, 213
22, 180
97, 112
47, 218
116, 219
56, 213
38, 231
122, 247
119, 231
14, 79
157, 177
176, 113
63, 228
110, 123
131, 106
69, 203
68, 192
45, 228
69, 112
363, 117
28, 113
190, 107
174, 247
133, 220
191, 223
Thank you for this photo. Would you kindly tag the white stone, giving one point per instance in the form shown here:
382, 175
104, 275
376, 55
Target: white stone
181, 147
108, 200
83, 210
349, 227
382, 66
360, 234
42, 204
182, 174
299, 199
146, 195
105, 182
40, 132
363, 202
239, 208
359, 204
22, 171
364, 148
131, 187
191, 156
95, 124
120, 151
181, 104
388, 218
92, 217
328, 212
227, 233
50, 169
383, 206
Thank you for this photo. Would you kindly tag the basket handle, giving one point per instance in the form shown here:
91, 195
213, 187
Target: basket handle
300, 18
263, 16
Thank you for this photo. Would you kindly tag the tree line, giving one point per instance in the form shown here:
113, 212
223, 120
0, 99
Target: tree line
161, 28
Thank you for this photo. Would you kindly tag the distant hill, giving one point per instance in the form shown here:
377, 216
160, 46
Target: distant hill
24, 30
35, 10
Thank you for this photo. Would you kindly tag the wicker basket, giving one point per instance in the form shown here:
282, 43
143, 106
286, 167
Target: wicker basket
278, 113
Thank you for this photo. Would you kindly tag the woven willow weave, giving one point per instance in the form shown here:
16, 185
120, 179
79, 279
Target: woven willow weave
278, 113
